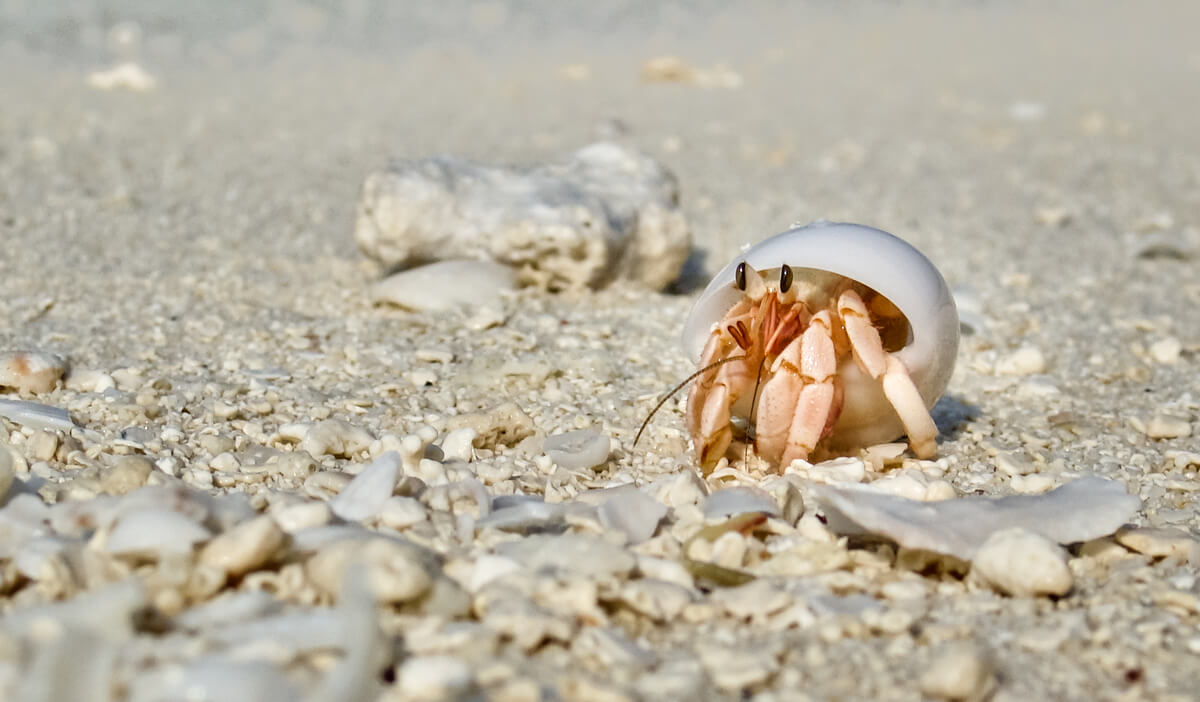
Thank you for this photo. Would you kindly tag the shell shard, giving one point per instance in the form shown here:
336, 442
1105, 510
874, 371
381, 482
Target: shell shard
1081, 510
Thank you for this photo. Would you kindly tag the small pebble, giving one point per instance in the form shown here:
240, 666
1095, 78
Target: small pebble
225, 462
1021, 563
729, 550
43, 445
959, 672
302, 515
659, 600
578, 450
402, 512
1184, 459
1014, 463
1161, 543
7, 471
1163, 426
396, 571
246, 547
87, 380
1052, 216
788, 499
431, 678
335, 437
1027, 360
123, 76
431, 355
735, 668
458, 444
837, 470
31, 371
1027, 111
215, 444
126, 475
154, 532
632, 512
1166, 350
295, 465
1034, 484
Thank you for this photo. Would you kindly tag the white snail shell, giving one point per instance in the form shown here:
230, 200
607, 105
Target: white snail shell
887, 264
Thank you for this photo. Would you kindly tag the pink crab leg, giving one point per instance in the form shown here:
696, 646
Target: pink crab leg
918, 424
799, 395
898, 386
864, 338
713, 394
714, 434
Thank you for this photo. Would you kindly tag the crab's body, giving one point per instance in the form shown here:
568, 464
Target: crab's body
845, 337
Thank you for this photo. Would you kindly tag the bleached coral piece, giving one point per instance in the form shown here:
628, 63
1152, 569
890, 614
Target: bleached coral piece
604, 213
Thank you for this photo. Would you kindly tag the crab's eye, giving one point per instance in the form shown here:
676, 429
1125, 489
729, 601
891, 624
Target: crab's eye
785, 278
739, 276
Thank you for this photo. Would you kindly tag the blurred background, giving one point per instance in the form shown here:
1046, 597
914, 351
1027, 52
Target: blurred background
983, 131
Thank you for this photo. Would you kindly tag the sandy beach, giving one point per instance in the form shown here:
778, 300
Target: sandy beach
180, 232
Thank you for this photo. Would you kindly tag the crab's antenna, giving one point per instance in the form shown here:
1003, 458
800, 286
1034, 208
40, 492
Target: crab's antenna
754, 409
679, 387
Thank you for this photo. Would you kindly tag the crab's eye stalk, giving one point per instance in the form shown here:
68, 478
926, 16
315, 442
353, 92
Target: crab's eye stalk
785, 278
739, 276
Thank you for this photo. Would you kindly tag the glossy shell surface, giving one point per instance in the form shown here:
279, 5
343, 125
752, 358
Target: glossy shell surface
881, 261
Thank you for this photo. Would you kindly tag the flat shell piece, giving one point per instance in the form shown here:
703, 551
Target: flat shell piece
153, 532
578, 450
1081, 510
35, 415
633, 512
365, 496
739, 500
580, 554
523, 516
445, 285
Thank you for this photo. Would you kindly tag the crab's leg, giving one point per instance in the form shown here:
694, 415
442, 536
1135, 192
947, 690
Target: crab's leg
918, 423
897, 384
799, 396
708, 407
713, 394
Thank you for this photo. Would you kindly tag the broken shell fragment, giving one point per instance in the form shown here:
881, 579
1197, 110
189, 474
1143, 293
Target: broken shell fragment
445, 285
36, 415
577, 450
366, 494
737, 500
633, 512
1081, 510
154, 532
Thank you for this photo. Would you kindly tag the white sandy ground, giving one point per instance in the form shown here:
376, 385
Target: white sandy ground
202, 229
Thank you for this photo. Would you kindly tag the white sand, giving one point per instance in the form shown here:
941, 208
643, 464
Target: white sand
194, 241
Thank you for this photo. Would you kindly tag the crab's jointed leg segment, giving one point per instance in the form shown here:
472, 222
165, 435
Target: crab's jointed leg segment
714, 393
898, 386
864, 338
799, 397
918, 424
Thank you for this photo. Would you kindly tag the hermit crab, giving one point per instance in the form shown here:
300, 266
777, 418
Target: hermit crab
825, 338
